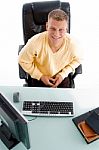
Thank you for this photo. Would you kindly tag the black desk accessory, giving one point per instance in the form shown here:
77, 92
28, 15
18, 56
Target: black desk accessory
16, 97
88, 125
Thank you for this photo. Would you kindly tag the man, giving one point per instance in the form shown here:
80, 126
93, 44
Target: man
49, 57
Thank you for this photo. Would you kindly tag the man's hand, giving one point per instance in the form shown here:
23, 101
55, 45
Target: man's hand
48, 80
57, 80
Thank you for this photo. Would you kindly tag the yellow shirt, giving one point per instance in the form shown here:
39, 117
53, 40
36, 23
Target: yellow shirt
37, 58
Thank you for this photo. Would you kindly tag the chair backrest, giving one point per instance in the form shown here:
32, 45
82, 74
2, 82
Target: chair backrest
35, 16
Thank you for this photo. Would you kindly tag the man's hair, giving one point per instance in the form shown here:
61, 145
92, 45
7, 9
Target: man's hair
58, 15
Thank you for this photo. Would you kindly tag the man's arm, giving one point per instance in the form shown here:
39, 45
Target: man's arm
76, 54
26, 60
70, 68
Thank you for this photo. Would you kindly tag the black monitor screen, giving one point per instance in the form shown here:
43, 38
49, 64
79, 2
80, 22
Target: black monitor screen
13, 126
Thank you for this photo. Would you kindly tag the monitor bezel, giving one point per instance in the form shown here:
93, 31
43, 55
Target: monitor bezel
12, 116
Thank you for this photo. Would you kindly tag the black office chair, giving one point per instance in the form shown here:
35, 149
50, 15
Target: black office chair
34, 17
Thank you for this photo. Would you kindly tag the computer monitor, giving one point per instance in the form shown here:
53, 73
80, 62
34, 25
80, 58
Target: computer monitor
13, 126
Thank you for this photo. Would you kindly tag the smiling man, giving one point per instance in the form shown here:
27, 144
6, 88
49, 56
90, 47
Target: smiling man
49, 57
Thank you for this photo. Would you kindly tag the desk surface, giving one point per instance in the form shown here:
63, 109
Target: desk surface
55, 133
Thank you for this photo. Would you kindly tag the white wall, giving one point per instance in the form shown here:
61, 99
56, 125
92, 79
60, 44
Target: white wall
84, 26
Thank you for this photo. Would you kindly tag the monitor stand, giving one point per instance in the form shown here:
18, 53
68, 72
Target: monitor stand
7, 137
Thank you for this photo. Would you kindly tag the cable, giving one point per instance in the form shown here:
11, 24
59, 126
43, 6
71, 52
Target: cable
31, 118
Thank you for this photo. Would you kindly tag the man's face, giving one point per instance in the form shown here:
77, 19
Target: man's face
56, 30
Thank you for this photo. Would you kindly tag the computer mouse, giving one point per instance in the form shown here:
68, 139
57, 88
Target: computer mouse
16, 97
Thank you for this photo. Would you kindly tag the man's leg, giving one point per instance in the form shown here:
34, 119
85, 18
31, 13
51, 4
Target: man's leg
65, 83
36, 83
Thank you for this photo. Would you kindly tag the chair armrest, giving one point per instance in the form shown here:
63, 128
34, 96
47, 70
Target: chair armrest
20, 47
72, 75
78, 70
22, 73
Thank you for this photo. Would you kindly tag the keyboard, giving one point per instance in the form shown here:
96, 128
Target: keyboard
48, 108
